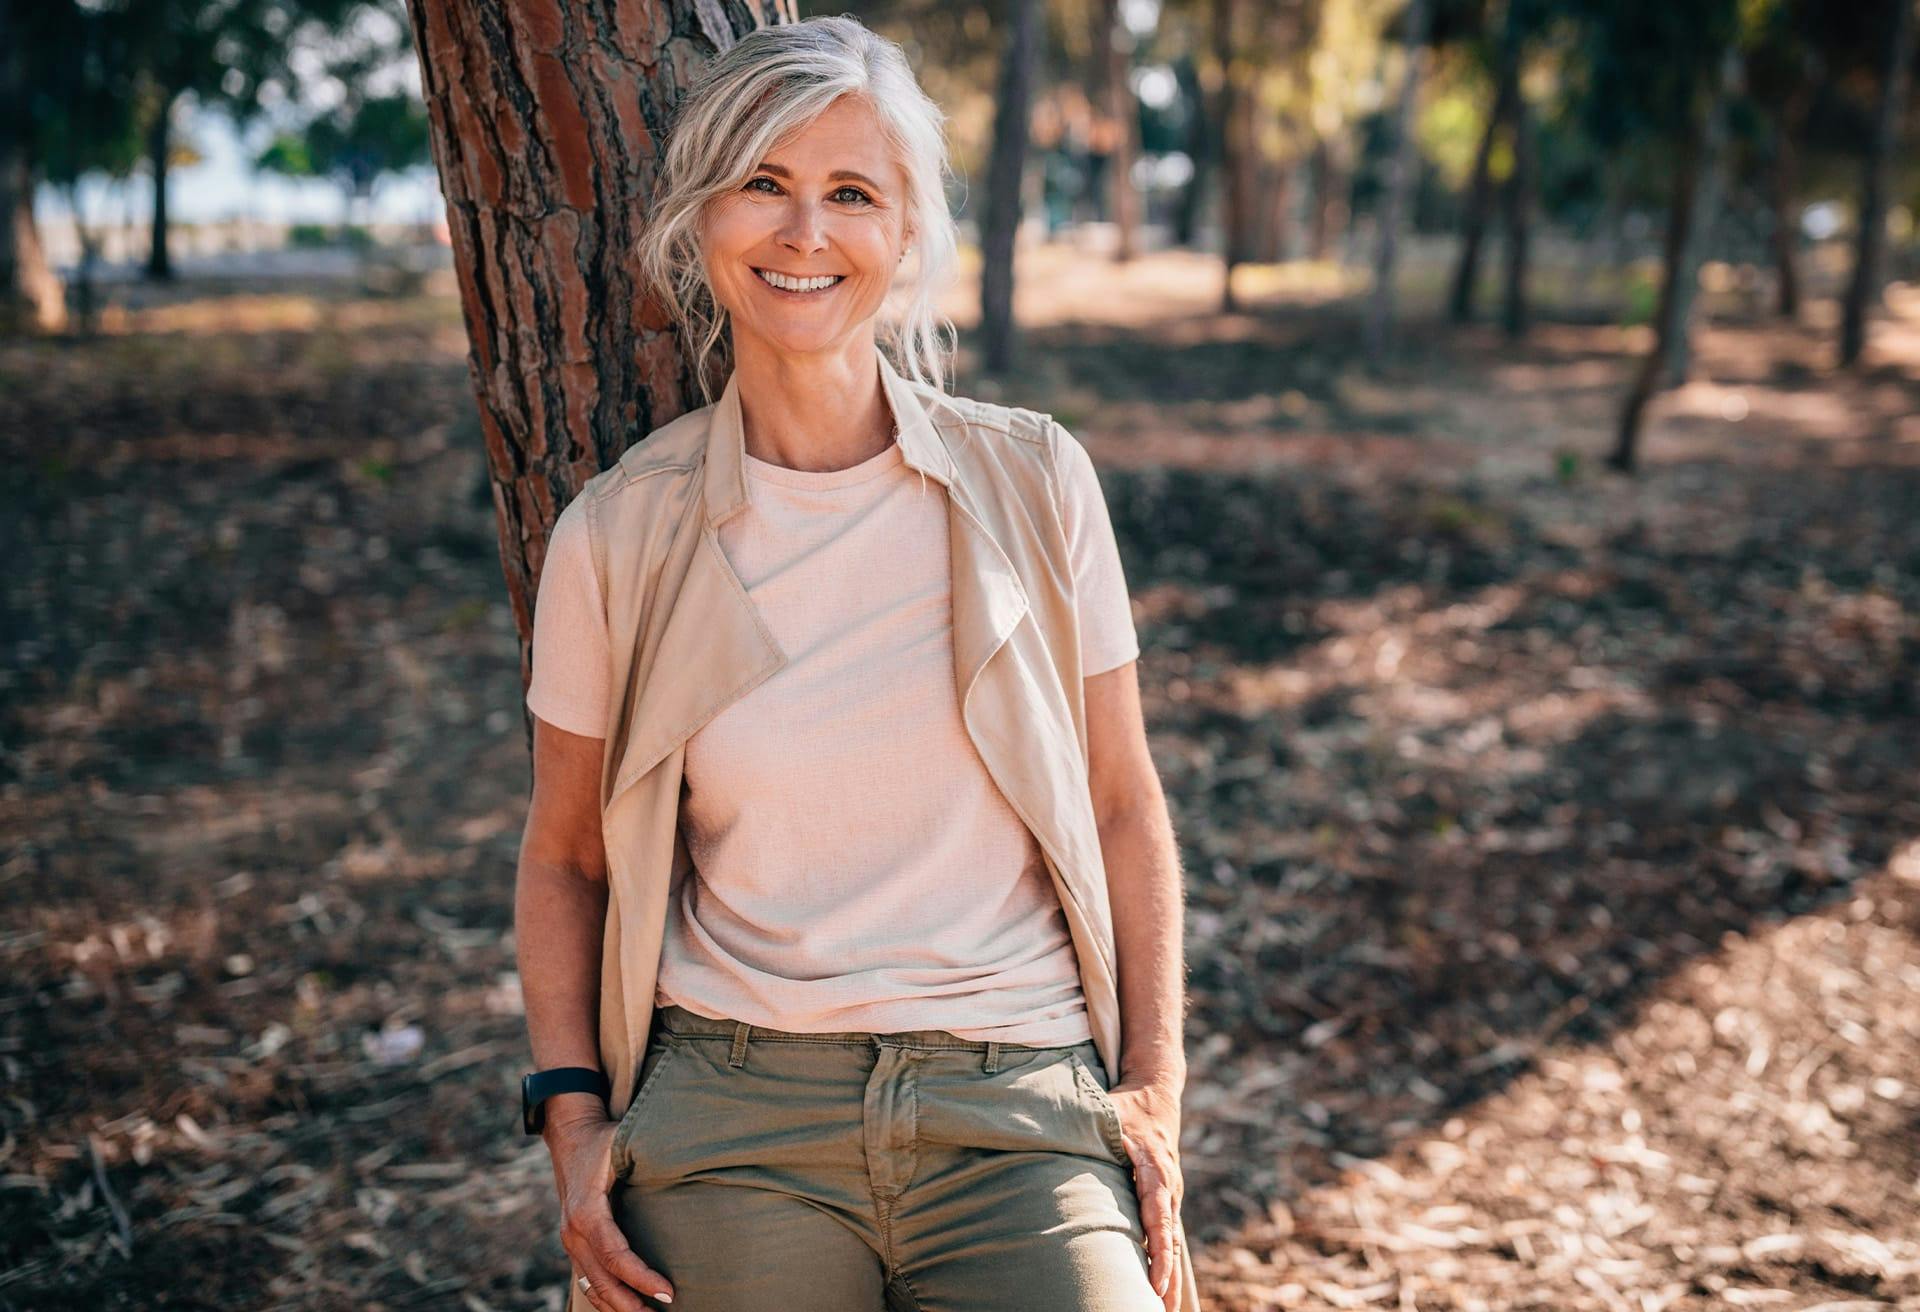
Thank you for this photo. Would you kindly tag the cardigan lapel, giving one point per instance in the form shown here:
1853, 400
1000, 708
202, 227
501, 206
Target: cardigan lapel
714, 650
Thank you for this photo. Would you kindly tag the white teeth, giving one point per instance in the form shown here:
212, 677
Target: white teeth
785, 283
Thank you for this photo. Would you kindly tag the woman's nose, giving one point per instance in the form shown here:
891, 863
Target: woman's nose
802, 231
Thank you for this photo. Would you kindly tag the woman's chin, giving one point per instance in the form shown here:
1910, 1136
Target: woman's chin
788, 339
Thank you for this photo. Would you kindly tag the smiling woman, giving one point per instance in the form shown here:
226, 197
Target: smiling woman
801, 228
841, 177
837, 735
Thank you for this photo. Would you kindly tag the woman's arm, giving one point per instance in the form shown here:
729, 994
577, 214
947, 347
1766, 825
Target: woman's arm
1143, 881
559, 911
559, 918
1145, 888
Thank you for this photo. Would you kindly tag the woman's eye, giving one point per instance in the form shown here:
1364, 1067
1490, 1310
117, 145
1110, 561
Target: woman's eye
848, 194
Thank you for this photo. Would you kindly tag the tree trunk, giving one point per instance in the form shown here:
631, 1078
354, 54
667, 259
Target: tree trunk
1689, 215
1006, 167
1519, 206
1705, 213
85, 285
1276, 212
544, 132
1236, 164
1115, 53
1332, 183
1784, 192
1473, 226
30, 295
31, 298
1870, 236
1094, 202
159, 145
1200, 132
1379, 322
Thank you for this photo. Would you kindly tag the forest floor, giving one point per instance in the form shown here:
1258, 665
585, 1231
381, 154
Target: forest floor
1552, 837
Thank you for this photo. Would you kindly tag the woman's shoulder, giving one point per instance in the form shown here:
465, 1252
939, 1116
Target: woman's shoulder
675, 447
1021, 422
1004, 442
1068, 464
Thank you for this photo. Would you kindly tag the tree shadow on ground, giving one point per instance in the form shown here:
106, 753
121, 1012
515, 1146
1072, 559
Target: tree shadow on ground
1438, 817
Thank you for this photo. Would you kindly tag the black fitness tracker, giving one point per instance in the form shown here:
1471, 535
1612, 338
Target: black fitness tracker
536, 1088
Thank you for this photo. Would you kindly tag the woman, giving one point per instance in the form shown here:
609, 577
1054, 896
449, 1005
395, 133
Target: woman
828, 762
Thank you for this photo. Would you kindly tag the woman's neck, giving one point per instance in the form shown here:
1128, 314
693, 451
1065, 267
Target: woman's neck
820, 412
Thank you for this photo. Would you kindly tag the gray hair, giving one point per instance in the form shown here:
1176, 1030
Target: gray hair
756, 93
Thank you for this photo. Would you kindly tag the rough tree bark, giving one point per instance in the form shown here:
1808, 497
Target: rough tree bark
1870, 236
1000, 227
545, 116
1379, 321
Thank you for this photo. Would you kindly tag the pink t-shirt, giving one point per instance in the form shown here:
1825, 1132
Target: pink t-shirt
854, 865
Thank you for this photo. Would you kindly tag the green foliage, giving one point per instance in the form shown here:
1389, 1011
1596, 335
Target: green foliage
83, 109
1456, 517
94, 78
364, 139
1639, 299
324, 236
287, 155
1449, 129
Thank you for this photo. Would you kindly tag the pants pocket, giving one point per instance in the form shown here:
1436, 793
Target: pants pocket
633, 1129
1104, 1108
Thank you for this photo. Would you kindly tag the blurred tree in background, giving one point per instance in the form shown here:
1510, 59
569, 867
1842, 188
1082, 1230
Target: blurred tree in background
354, 145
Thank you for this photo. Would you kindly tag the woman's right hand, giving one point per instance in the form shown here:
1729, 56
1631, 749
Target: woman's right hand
582, 1151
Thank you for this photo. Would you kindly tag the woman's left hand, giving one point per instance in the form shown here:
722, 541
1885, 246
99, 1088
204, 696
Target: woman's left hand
1150, 1128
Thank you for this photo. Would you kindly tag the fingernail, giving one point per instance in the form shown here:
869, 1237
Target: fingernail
666, 1298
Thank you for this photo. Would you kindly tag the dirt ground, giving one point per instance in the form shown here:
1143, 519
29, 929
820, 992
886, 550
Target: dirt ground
1552, 838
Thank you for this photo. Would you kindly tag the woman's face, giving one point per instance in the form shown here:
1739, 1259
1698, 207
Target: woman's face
829, 203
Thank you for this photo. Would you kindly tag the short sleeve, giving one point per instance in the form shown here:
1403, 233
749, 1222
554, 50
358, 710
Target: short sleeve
572, 659
1107, 637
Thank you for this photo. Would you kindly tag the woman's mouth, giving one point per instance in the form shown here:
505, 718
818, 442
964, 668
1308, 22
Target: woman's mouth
800, 286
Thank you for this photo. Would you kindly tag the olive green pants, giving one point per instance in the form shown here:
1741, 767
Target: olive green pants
767, 1171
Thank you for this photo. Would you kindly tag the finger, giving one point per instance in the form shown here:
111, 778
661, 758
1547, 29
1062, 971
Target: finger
603, 1290
1168, 1274
1171, 1298
1160, 1205
611, 1247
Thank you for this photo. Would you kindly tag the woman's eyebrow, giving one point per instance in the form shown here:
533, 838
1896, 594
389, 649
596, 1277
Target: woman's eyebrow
781, 171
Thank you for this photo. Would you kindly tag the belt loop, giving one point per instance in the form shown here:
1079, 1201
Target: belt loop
738, 1056
992, 1062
